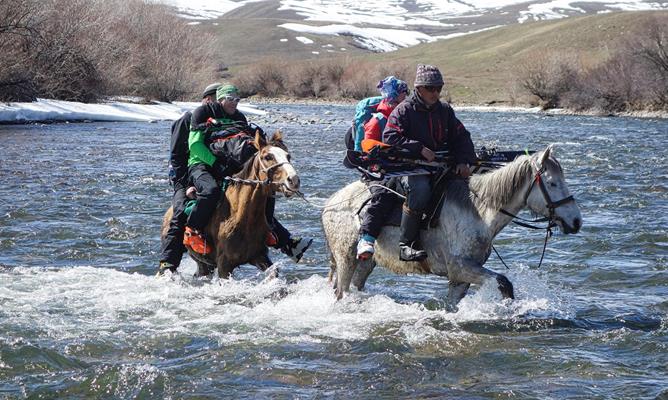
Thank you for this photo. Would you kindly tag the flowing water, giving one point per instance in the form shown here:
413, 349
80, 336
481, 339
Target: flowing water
83, 316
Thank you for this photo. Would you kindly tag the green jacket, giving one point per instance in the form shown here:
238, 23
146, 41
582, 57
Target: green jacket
198, 139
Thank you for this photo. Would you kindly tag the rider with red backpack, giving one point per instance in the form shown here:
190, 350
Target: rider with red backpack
393, 92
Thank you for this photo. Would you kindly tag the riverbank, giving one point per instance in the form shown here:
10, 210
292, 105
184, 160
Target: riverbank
467, 107
127, 110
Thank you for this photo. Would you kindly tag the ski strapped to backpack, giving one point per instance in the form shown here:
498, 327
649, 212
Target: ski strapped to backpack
381, 161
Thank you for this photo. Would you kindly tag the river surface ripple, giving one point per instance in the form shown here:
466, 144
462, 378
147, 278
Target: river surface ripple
82, 315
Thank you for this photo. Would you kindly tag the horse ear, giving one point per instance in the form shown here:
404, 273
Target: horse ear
545, 155
276, 137
259, 141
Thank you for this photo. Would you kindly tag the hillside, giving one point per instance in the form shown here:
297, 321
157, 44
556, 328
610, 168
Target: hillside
480, 68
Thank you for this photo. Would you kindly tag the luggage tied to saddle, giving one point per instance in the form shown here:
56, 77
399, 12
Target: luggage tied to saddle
382, 164
232, 144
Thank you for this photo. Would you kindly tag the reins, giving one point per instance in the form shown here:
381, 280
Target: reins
268, 170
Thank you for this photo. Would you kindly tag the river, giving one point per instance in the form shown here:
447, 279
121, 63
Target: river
83, 316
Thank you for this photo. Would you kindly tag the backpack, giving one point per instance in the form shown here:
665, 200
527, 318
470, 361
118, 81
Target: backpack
363, 113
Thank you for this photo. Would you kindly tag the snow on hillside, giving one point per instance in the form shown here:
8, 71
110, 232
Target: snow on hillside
386, 25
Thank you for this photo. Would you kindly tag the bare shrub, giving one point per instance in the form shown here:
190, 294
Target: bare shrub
268, 78
82, 49
166, 59
308, 80
548, 76
18, 22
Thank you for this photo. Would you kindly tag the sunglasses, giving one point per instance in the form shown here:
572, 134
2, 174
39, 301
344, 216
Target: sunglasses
433, 89
232, 99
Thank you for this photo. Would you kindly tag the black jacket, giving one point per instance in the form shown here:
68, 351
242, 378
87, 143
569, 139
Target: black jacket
412, 125
178, 148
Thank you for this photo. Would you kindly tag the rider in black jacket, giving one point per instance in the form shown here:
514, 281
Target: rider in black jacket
422, 124
172, 247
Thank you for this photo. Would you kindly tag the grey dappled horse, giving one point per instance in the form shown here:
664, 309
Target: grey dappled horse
470, 219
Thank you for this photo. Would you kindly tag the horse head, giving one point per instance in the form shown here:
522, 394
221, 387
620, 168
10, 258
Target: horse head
549, 196
274, 160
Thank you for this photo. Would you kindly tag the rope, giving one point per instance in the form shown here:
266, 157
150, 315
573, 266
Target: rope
326, 206
323, 207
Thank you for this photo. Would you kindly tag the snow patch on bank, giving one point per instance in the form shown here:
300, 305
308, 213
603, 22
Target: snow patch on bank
58, 110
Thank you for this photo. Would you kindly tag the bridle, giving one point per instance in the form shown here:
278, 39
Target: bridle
268, 170
551, 207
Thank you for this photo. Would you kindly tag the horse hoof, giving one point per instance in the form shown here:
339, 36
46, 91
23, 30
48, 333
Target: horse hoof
505, 287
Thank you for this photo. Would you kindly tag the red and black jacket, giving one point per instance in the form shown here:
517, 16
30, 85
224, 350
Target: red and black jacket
412, 125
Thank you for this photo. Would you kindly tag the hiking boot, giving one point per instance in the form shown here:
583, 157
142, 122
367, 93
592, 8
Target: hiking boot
196, 241
364, 249
411, 252
296, 248
164, 266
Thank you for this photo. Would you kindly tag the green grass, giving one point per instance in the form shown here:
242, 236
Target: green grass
480, 68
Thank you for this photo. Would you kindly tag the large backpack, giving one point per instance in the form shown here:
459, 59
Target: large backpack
363, 113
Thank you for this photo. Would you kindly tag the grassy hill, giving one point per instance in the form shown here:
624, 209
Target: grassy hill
481, 68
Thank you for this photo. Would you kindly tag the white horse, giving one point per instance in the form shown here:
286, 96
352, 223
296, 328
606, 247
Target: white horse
469, 220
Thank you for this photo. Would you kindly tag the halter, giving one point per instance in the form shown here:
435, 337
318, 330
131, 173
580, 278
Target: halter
268, 170
551, 207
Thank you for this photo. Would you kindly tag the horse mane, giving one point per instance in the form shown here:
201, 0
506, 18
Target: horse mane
495, 189
247, 168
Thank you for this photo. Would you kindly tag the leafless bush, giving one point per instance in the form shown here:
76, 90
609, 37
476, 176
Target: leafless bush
548, 76
633, 77
83, 49
332, 78
18, 22
166, 59
268, 78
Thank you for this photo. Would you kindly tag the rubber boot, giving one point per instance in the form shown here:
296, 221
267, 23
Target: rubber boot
409, 249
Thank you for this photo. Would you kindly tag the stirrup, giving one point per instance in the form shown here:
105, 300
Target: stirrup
409, 253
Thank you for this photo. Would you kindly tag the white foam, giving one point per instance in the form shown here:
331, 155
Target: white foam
98, 302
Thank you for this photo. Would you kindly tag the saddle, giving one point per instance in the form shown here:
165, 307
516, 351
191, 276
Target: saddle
432, 213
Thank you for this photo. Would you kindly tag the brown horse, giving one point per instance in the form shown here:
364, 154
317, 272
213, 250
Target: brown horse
239, 226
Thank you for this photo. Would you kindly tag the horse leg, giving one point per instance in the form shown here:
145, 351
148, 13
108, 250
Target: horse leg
471, 272
204, 264
263, 262
456, 292
345, 268
362, 272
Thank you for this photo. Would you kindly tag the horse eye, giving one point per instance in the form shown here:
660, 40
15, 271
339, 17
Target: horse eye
269, 157
289, 157
553, 184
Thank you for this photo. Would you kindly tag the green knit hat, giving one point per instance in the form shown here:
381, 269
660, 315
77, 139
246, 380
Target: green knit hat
226, 90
